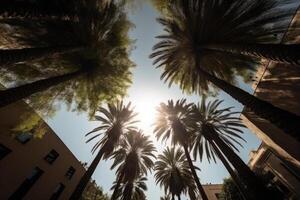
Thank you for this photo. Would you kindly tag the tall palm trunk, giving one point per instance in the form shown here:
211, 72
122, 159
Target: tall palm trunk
287, 121
11, 56
86, 177
12, 95
114, 195
200, 188
288, 53
173, 197
232, 173
253, 184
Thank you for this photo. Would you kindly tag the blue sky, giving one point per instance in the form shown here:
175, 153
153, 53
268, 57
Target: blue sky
146, 92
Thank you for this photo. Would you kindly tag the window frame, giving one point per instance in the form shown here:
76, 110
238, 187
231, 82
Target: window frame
70, 173
26, 140
51, 157
5, 151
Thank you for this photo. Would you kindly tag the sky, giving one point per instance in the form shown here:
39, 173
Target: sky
146, 92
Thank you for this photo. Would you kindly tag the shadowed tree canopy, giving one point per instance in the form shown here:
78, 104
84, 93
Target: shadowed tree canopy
107, 65
230, 191
133, 159
172, 173
115, 121
173, 121
207, 44
132, 190
224, 121
194, 24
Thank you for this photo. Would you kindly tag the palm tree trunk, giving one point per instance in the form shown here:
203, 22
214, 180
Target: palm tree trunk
200, 188
287, 121
76, 195
287, 53
253, 184
11, 56
12, 95
232, 173
114, 195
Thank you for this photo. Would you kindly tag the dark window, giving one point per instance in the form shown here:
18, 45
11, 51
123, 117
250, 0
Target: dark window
27, 184
52, 156
219, 196
57, 192
70, 172
3, 151
24, 137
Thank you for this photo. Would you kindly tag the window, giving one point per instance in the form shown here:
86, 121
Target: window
219, 196
70, 172
27, 184
58, 191
52, 156
24, 137
3, 151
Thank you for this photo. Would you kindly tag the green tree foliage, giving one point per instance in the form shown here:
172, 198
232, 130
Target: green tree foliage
94, 192
107, 56
230, 191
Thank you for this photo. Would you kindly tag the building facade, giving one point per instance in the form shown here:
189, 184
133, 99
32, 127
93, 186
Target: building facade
278, 172
278, 84
34, 168
213, 191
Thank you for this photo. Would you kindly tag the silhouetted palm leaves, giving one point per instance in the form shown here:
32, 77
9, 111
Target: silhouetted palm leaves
133, 158
132, 190
173, 121
115, 121
186, 55
172, 172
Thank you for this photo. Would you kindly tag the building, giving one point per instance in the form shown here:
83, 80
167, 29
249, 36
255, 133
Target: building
213, 191
33, 168
278, 172
278, 84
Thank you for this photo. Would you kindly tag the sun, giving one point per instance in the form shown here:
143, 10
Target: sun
146, 106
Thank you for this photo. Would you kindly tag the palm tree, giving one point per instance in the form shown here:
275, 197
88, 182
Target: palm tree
54, 9
166, 197
173, 121
133, 158
132, 190
115, 120
217, 131
193, 53
109, 58
172, 172
87, 32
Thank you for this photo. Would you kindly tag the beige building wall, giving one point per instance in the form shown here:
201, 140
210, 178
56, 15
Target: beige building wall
264, 160
279, 84
23, 158
213, 191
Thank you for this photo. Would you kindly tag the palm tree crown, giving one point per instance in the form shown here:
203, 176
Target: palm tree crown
115, 120
195, 24
223, 121
172, 121
172, 172
134, 156
132, 190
